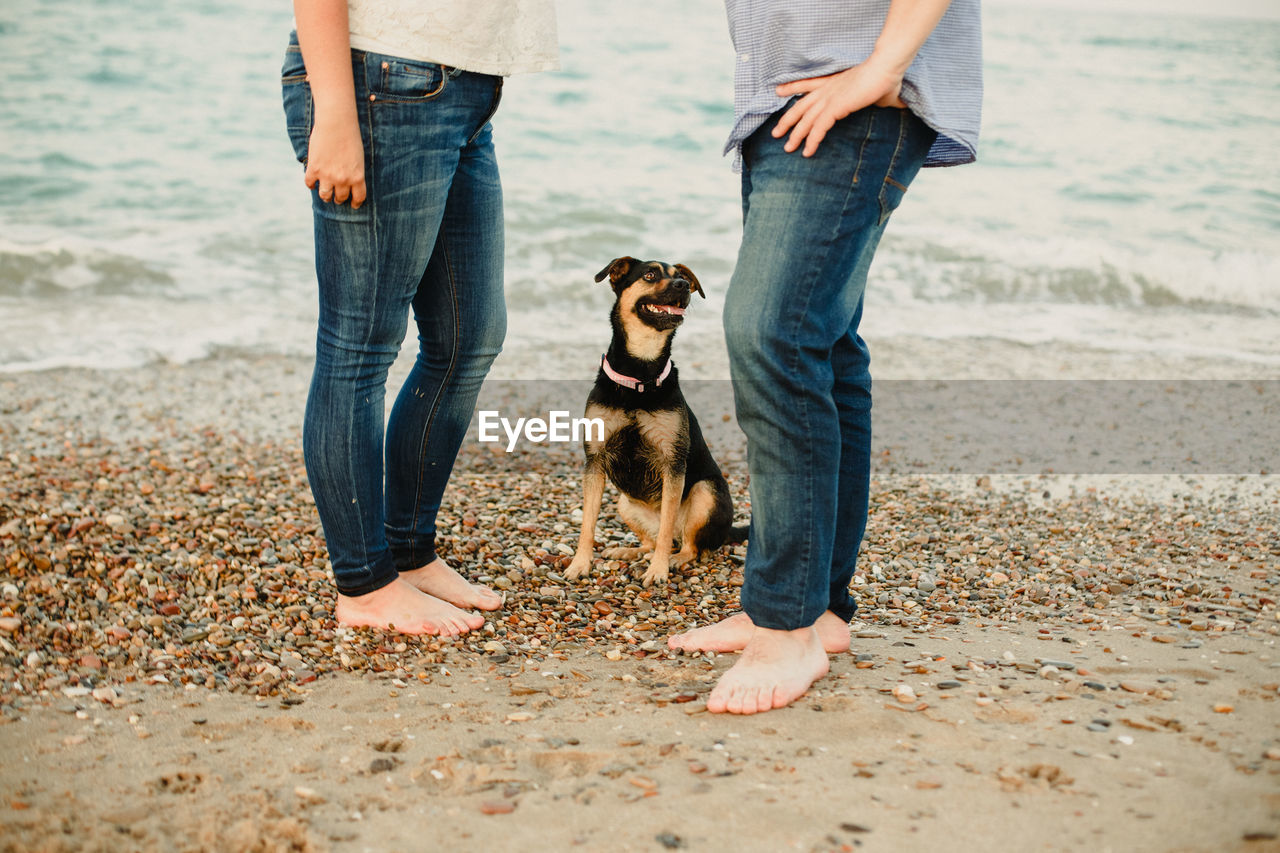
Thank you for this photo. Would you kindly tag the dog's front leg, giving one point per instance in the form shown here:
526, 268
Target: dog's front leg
592, 494
659, 563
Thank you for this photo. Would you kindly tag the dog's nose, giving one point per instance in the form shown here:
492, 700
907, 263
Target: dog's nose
680, 285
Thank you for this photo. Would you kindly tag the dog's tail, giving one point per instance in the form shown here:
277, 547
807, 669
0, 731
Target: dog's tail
737, 534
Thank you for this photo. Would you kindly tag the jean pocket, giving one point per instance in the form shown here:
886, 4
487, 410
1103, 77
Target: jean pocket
296, 93
403, 81
891, 195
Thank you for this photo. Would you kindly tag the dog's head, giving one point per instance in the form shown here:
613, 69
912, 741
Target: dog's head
650, 299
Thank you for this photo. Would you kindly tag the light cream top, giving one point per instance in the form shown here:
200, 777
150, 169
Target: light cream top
500, 37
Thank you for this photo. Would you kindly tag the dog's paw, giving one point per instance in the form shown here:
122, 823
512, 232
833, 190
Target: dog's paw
657, 572
580, 566
681, 557
621, 553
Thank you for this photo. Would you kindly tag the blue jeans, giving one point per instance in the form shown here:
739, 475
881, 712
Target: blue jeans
802, 385
428, 239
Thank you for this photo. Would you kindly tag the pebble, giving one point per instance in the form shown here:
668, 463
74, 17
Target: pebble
206, 542
904, 694
1138, 687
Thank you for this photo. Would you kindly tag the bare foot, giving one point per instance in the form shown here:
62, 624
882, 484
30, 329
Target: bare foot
733, 634
776, 668
400, 606
437, 579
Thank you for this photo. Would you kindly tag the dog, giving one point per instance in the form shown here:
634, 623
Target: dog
652, 448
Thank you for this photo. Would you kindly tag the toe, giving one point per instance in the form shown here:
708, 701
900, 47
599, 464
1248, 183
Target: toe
738, 702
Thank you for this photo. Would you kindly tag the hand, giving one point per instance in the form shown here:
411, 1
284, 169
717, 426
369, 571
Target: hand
826, 100
335, 161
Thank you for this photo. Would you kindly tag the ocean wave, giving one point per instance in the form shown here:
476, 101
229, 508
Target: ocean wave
51, 273
983, 269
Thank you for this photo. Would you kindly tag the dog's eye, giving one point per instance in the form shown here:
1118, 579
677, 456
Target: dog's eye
651, 276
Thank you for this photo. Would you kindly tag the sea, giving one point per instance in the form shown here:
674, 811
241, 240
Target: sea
1126, 199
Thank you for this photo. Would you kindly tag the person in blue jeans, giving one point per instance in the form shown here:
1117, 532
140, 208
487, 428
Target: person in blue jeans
838, 107
388, 105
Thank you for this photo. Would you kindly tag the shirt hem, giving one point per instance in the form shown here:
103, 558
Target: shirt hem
478, 65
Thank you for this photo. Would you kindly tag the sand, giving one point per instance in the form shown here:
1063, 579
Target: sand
1043, 661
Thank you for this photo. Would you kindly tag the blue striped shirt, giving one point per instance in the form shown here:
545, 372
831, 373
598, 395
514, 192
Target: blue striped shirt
778, 41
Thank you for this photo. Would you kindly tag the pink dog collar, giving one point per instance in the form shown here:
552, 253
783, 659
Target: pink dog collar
629, 382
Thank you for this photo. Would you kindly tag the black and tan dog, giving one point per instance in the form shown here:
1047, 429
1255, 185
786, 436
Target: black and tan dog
652, 449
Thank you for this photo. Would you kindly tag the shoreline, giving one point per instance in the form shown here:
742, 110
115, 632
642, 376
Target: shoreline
1090, 665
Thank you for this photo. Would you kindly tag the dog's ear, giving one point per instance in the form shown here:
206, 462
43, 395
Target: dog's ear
687, 275
617, 268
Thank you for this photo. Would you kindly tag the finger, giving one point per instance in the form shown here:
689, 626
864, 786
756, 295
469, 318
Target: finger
341, 193
788, 120
801, 130
796, 87
358, 194
325, 193
816, 135
796, 115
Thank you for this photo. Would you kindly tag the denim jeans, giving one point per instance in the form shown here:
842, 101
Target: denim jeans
802, 385
428, 239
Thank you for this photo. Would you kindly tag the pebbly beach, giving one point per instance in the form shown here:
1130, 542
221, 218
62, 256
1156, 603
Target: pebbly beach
1068, 622
1038, 661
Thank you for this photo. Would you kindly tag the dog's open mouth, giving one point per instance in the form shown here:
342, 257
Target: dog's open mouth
669, 310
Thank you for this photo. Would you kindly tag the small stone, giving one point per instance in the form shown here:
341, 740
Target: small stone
669, 840
1164, 638
999, 578
308, 795
10, 624
949, 685
520, 717
904, 694
1060, 664
1095, 685
497, 807
1223, 708
1138, 687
